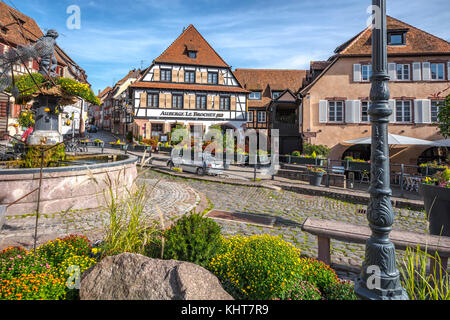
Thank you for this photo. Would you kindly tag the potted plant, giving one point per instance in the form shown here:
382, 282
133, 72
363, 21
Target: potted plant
436, 195
117, 144
98, 142
312, 159
316, 176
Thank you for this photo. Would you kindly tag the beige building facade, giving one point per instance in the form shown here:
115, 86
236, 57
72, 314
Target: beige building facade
335, 103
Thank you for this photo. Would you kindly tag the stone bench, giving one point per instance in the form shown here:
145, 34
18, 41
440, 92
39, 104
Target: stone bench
326, 230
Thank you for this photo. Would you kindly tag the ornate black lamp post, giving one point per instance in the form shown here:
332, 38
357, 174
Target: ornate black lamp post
380, 279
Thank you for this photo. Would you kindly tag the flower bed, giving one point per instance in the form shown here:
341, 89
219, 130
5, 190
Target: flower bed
46, 274
266, 267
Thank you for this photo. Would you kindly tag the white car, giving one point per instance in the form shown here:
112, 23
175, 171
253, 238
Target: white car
201, 165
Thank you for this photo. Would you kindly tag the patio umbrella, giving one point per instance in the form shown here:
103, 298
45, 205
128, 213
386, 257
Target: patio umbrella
442, 143
394, 140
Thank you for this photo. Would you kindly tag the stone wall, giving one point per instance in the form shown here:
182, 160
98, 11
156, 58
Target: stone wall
63, 189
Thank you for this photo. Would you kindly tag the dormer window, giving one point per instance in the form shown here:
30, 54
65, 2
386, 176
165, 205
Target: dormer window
276, 94
192, 54
256, 95
397, 38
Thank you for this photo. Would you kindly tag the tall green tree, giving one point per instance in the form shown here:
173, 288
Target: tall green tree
444, 118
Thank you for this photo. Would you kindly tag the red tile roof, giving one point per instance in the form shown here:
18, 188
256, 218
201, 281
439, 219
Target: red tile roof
278, 80
268, 80
191, 40
104, 92
417, 42
190, 87
319, 65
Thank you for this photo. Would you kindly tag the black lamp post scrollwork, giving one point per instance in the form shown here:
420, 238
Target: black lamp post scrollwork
380, 278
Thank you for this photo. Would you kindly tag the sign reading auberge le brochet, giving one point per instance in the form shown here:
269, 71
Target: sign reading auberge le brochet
192, 114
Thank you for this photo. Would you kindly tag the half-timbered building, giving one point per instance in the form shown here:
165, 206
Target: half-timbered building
188, 84
274, 104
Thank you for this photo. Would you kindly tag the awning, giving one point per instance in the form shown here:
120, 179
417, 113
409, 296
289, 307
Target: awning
394, 139
442, 143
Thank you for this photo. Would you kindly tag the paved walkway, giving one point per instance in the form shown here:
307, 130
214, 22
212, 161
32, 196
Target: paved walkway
171, 198
291, 210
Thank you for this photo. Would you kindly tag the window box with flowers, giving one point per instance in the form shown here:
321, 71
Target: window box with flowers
436, 195
316, 176
431, 168
356, 165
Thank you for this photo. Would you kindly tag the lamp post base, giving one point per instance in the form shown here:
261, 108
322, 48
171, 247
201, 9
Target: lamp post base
363, 293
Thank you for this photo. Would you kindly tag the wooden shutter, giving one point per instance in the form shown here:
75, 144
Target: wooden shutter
392, 70
192, 101
233, 103
217, 102
426, 71
198, 77
349, 112
352, 111
162, 100
144, 99
323, 111
186, 101
221, 78
168, 100
418, 111
181, 76
209, 102
357, 111
156, 74
357, 77
204, 77
392, 103
175, 76
426, 111
448, 71
417, 71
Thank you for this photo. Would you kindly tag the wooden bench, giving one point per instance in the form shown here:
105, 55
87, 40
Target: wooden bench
326, 230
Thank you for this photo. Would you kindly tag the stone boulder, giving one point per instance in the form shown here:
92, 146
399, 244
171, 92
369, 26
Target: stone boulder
136, 277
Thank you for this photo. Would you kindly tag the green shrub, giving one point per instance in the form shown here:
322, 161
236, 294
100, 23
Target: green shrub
301, 290
193, 238
341, 290
257, 267
318, 273
296, 154
320, 150
130, 136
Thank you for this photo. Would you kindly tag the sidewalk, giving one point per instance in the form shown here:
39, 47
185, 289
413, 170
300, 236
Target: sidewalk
278, 183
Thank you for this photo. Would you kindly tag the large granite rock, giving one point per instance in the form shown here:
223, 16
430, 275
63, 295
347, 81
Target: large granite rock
136, 277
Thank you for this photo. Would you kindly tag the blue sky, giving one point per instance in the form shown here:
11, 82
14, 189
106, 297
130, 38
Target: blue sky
115, 36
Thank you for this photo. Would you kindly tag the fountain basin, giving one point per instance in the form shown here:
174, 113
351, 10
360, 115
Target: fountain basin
74, 187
